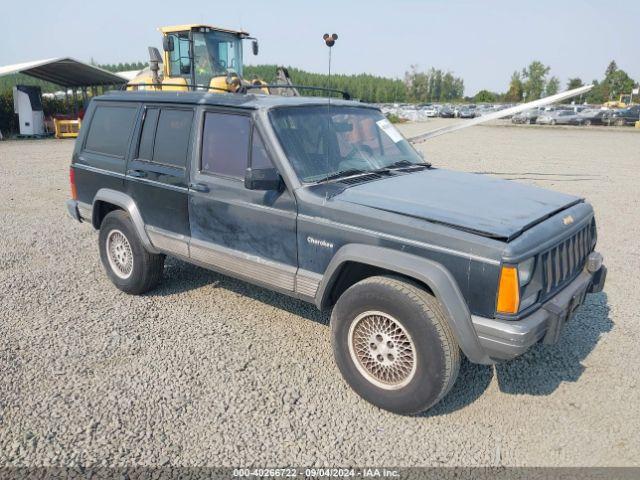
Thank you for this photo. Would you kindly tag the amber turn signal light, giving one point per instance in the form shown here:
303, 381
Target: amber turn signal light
508, 291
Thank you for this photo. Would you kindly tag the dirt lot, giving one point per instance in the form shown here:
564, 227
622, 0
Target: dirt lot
209, 371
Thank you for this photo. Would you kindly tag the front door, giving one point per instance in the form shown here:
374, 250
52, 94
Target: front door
157, 176
246, 233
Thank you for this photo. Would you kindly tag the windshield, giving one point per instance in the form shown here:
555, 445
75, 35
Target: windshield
214, 54
325, 141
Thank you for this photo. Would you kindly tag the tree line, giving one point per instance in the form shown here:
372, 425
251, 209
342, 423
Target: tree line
418, 86
434, 85
366, 87
533, 82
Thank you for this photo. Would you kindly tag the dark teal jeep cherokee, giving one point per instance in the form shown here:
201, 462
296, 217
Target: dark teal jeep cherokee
328, 203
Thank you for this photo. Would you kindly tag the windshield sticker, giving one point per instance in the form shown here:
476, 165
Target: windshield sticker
386, 126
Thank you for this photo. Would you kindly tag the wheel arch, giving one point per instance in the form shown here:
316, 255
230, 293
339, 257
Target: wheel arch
433, 275
107, 200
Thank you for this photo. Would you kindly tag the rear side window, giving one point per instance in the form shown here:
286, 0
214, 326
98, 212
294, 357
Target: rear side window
225, 144
165, 136
110, 129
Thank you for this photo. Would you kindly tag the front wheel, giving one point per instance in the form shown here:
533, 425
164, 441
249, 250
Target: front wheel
129, 266
393, 344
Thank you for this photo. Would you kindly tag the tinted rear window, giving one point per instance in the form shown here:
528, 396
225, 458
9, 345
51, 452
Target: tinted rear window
110, 129
172, 137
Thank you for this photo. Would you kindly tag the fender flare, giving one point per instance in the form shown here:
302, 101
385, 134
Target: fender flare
127, 203
426, 271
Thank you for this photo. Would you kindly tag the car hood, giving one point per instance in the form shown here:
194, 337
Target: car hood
481, 204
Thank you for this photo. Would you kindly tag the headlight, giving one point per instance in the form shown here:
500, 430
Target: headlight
525, 271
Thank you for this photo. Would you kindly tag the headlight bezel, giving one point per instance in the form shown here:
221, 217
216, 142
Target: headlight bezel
526, 270
513, 295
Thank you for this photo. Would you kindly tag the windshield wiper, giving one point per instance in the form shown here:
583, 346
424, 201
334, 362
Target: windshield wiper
342, 173
401, 164
407, 163
357, 171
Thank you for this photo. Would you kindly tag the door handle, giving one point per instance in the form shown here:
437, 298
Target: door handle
198, 187
137, 173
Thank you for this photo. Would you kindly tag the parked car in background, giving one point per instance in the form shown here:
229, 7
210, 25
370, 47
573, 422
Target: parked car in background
592, 116
527, 117
432, 111
484, 110
447, 112
625, 116
466, 112
559, 117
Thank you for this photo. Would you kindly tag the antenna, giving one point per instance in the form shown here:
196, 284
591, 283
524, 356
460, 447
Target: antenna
330, 41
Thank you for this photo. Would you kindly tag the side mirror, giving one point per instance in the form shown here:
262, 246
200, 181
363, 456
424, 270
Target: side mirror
262, 179
255, 47
167, 43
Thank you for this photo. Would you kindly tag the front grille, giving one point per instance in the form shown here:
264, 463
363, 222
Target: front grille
563, 262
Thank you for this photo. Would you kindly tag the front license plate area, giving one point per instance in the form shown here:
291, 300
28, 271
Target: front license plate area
561, 314
576, 301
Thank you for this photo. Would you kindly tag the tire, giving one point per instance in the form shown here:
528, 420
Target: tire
553, 122
129, 266
364, 315
619, 122
587, 123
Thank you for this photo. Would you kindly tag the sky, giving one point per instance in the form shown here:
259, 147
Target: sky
484, 42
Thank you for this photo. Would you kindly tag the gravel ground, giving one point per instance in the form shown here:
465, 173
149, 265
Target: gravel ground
208, 370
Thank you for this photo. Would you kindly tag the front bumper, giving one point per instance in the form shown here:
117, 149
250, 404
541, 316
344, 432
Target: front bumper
506, 339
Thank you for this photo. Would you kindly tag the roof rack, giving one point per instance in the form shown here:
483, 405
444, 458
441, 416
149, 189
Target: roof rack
190, 88
345, 95
243, 88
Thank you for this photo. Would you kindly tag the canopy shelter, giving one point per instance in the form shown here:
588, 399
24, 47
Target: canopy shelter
65, 72
69, 74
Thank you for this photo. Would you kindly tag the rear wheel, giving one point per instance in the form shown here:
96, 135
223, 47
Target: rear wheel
393, 344
619, 122
587, 123
553, 122
128, 264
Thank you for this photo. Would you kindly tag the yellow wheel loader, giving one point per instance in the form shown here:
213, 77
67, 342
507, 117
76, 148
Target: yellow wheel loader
625, 101
198, 57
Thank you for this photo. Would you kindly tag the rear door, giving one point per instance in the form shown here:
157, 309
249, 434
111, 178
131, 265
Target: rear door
157, 176
248, 233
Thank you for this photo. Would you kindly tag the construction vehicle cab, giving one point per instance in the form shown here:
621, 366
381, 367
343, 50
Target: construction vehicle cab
196, 57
